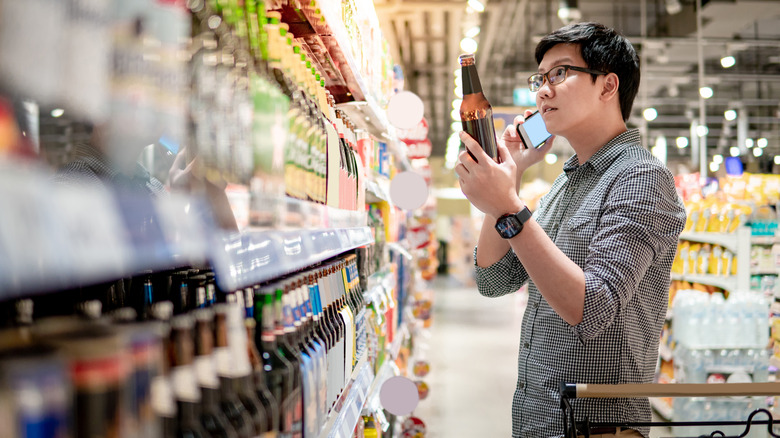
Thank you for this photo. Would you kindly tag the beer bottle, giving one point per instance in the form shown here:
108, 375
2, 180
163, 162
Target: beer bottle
211, 416
181, 355
278, 370
259, 379
476, 114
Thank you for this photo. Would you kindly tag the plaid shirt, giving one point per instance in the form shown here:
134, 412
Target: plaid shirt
91, 166
618, 217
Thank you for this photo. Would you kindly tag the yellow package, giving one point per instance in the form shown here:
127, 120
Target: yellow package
693, 258
703, 260
726, 260
693, 218
714, 266
678, 265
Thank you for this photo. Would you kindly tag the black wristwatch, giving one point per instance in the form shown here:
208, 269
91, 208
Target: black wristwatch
510, 225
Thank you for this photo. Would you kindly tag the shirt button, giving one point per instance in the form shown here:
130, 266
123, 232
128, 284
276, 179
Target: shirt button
536, 305
527, 345
521, 385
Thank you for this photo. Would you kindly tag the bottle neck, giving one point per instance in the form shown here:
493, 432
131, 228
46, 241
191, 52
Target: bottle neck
471, 84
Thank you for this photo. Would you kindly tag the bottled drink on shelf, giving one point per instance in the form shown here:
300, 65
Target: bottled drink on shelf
260, 387
285, 345
476, 114
184, 379
211, 416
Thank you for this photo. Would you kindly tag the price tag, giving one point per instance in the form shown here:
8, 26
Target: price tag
94, 235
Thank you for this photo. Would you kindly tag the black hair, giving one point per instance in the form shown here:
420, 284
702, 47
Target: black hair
602, 49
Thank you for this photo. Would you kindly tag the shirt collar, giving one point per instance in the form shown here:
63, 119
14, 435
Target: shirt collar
601, 160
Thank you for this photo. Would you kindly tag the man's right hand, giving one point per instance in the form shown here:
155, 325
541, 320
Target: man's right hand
523, 157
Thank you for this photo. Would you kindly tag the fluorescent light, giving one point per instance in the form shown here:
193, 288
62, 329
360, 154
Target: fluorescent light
714, 167
734, 151
718, 158
748, 142
453, 150
650, 114
474, 31
456, 126
702, 130
468, 45
682, 142
477, 5
777, 160
757, 152
57, 112
730, 115
551, 158
728, 61
706, 92
762, 142
459, 91
455, 114
456, 104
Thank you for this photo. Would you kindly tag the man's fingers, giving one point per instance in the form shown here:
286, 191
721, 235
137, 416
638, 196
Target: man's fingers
473, 147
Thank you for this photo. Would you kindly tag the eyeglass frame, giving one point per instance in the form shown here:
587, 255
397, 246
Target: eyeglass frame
565, 75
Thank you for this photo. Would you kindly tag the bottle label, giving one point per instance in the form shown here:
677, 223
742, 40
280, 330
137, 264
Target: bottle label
206, 372
163, 402
185, 383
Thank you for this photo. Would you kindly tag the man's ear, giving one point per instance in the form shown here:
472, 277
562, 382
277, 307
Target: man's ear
610, 88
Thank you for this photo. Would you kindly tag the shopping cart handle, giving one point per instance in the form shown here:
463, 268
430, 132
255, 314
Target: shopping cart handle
579, 390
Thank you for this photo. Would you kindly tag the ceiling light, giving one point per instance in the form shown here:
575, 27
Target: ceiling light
673, 7
456, 104
757, 152
550, 158
777, 160
455, 114
682, 142
730, 114
456, 126
458, 73
714, 167
734, 151
706, 92
568, 11
749, 142
728, 61
717, 158
650, 114
702, 130
474, 31
459, 91
57, 112
468, 45
762, 142
477, 5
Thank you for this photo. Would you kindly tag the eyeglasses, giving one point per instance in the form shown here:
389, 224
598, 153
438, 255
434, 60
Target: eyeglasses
556, 76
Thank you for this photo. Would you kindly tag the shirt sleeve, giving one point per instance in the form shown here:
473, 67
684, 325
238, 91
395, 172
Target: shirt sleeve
502, 277
641, 222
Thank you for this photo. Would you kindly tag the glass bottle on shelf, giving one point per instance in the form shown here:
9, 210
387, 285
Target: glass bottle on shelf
185, 384
211, 417
260, 387
295, 400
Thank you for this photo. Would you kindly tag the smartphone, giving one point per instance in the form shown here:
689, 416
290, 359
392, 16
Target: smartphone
533, 132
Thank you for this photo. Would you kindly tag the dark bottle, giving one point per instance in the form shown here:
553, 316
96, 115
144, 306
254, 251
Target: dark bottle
180, 292
211, 416
181, 355
197, 291
476, 114
259, 379
285, 335
230, 403
278, 370
162, 399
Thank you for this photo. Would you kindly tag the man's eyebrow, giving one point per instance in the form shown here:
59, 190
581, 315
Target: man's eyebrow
557, 62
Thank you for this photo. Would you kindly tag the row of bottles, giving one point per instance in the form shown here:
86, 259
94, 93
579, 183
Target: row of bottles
267, 360
263, 116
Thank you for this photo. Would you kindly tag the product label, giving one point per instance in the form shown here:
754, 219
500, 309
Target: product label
185, 383
206, 372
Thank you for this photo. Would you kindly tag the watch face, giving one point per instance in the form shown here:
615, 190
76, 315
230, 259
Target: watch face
509, 226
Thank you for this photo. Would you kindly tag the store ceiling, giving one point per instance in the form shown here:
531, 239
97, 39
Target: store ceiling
425, 35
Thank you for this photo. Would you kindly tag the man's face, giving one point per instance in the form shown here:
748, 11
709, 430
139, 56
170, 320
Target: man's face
567, 107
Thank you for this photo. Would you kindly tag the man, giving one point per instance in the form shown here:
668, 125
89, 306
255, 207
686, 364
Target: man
597, 252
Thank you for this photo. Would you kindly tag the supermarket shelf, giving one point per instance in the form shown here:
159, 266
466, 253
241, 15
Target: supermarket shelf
60, 236
345, 414
251, 257
762, 240
727, 283
662, 408
726, 240
764, 271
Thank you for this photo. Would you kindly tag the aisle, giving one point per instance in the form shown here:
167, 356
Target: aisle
473, 355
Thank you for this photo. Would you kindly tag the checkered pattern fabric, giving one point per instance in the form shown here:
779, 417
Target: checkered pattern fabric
618, 217
91, 166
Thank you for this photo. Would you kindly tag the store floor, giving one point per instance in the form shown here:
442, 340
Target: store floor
472, 350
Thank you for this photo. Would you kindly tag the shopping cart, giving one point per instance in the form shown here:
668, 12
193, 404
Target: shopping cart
573, 428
